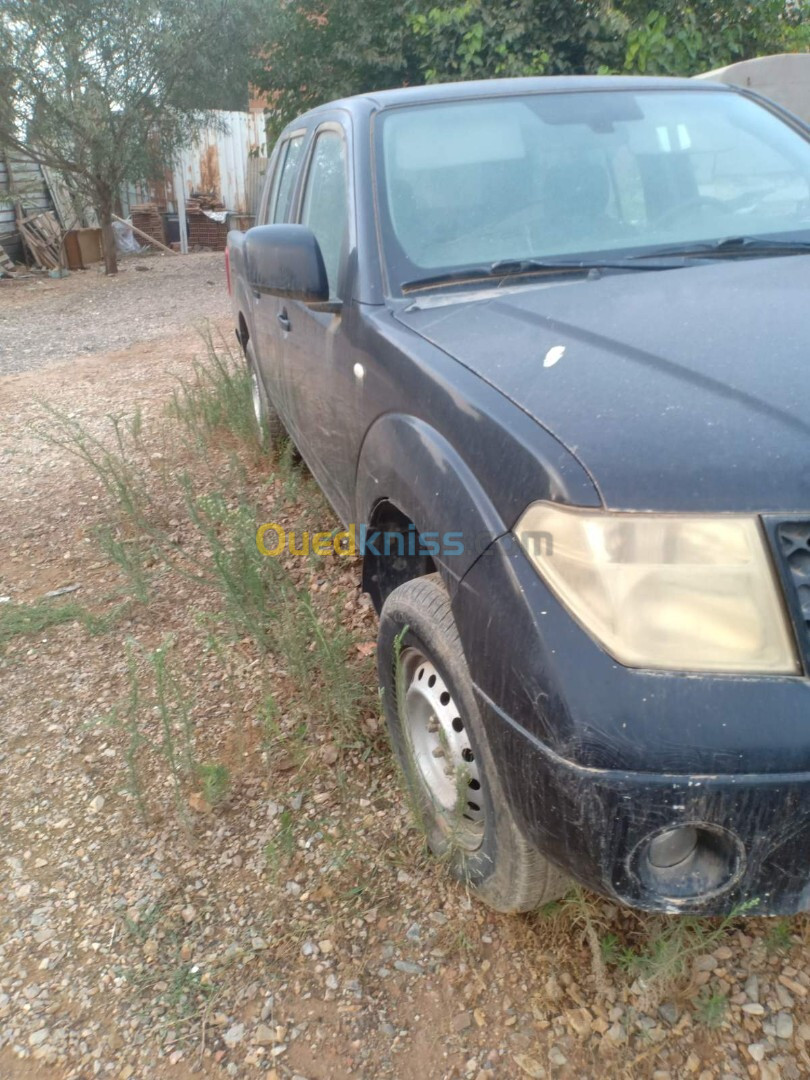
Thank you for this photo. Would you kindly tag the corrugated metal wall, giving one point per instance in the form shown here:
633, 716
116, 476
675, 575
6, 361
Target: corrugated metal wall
219, 162
33, 192
228, 161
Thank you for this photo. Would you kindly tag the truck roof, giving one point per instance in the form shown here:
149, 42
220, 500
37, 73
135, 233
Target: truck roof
363, 104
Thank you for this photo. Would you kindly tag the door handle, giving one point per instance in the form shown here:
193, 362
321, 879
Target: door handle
284, 319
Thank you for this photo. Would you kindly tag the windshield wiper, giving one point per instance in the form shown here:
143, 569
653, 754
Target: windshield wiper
514, 268
730, 246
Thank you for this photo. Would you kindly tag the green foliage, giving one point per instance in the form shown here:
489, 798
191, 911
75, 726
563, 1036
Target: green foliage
322, 49
479, 39
316, 50
244, 577
130, 555
672, 38
107, 90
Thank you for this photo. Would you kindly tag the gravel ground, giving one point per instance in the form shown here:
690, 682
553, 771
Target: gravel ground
45, 321
296, 930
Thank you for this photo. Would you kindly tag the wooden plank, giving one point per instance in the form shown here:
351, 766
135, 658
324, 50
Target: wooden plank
61, 197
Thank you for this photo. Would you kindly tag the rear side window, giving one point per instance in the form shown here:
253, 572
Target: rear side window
326, 201
284, 180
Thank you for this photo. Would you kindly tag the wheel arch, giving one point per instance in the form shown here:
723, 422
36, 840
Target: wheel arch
242, 331
413, 483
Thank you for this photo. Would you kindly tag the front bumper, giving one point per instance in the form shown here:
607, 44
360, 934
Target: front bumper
595, 824
596, 759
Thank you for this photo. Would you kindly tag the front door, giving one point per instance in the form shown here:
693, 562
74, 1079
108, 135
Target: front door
319, 369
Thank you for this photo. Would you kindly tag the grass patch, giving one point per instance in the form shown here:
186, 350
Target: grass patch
21, 620
193, 510
658, 951
156, 719
217, 398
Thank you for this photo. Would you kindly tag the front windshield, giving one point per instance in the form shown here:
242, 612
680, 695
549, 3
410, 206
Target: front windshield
567, 174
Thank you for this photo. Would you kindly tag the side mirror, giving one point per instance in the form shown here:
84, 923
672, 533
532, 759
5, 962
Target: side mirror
286, 260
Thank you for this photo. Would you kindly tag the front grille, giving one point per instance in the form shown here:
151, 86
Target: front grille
793, 538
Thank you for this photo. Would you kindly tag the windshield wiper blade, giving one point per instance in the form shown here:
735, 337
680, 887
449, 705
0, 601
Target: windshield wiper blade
731, 245
511, 268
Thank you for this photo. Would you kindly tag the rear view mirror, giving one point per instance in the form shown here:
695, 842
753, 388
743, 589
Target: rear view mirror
286, 260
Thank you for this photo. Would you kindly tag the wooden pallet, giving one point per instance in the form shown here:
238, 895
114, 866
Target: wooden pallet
6, 265
43, 238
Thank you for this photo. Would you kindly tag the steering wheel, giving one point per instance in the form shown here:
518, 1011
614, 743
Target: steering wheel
699, 201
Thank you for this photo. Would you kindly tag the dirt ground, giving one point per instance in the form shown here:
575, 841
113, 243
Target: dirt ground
295, 928
43, 320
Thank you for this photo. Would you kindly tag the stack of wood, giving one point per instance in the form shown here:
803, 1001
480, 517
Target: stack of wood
204, 200
146, 217
42, 235
203, 231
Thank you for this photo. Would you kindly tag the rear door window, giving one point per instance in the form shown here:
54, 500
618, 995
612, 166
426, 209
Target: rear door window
281, 197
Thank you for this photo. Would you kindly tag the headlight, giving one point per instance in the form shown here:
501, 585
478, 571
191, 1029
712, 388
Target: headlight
679, 592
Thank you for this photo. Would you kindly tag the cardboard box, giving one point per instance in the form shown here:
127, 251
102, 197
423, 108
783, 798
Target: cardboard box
73, 255
90, 246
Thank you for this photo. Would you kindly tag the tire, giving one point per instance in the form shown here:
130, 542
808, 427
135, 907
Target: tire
456, 793
270, 431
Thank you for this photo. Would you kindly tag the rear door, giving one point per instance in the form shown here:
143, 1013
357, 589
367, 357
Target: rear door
277, 208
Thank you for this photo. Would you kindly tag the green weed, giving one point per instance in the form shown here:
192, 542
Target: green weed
130, 556
17, 620
711, 1008
156, 699
215, 779
217, 398
281, 847
778, 936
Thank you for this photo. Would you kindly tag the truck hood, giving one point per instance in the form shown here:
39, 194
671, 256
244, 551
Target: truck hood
684, 389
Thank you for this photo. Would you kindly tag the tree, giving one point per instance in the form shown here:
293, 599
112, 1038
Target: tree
670, 37
317, 50
107, 91
320, 49
512, 38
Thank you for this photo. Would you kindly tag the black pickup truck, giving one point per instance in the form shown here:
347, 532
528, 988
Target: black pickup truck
545, 345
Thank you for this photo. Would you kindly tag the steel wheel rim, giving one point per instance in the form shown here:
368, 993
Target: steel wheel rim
441, 750
256, 398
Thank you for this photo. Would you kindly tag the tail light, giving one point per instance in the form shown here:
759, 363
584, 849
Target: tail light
228, 270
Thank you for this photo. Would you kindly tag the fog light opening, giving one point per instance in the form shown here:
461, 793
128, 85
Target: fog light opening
689, 862
672, 846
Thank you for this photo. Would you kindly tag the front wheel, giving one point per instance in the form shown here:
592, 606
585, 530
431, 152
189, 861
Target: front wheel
445, 754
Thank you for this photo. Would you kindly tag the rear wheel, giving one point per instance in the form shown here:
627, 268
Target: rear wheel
446, 756
270, 430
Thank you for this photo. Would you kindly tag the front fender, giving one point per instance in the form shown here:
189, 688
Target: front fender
408, 463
